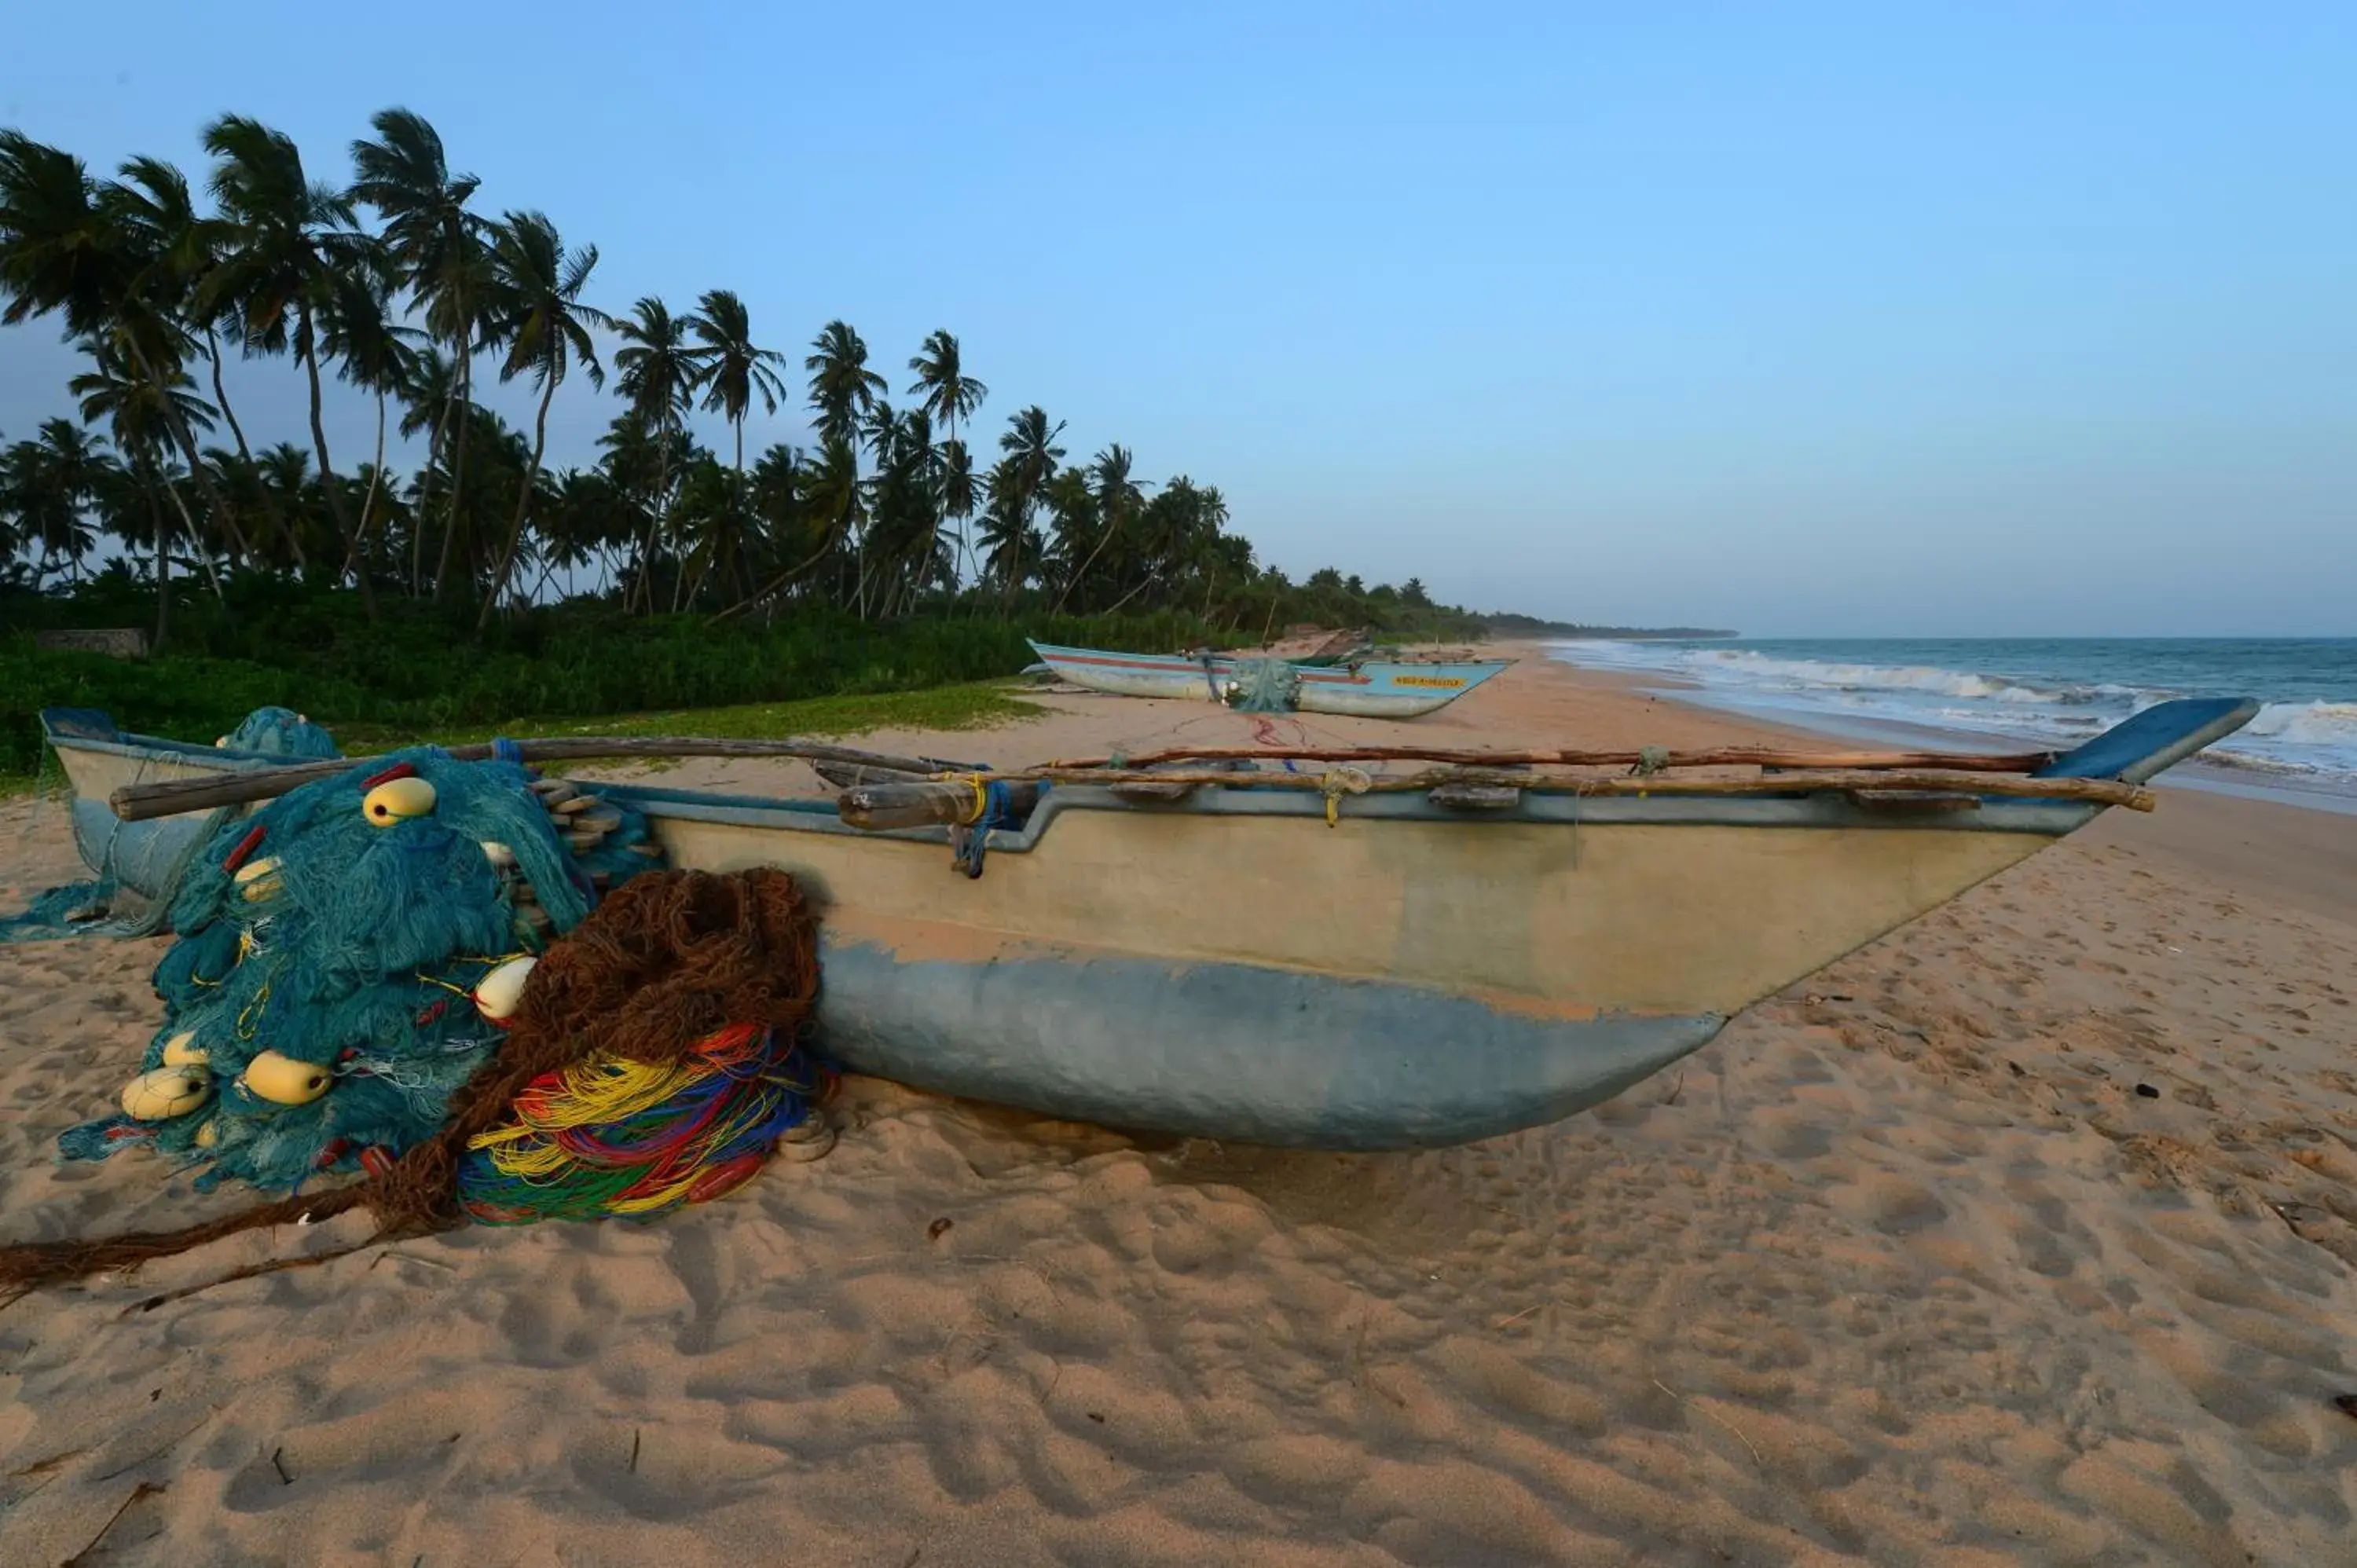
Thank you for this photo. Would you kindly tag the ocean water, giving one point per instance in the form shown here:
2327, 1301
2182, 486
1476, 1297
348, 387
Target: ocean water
2047, 691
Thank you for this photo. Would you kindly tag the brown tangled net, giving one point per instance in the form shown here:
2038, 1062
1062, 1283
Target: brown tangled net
668, 958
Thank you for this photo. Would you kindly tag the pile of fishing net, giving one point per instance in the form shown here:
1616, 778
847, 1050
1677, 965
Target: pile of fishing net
474, 990
1262, 686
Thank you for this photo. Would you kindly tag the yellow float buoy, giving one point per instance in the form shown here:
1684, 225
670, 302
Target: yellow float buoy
208, 1136
397, 800
165, 1092
256, 879
497, 994
284, 1081
182, 1050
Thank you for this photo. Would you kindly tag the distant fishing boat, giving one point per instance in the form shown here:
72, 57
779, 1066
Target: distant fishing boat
1344, 959
1386, 689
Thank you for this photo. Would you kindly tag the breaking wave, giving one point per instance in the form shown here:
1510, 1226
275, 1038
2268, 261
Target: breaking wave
2081, 689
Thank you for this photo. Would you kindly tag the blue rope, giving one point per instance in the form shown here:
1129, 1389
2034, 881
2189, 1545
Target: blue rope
505, 750
971, 841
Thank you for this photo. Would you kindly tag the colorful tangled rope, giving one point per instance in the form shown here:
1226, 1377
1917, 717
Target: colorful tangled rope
611, 1137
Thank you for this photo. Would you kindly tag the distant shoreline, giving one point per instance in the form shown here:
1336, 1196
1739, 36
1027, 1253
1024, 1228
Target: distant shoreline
1527, 627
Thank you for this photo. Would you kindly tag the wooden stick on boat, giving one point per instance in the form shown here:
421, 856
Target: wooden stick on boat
138, 803
1720, 756
876, 807
846, 775
2096, 792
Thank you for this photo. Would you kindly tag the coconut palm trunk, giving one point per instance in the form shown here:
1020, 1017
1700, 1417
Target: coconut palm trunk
367, 500
436, 445
308, 347
220, 396
1112, 527
523, 507
161, 528
457, 476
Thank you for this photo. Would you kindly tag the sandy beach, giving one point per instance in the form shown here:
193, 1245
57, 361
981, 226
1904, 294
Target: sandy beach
2028, 1234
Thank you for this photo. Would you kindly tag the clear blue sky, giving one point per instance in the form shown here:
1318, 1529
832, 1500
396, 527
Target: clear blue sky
1819, 319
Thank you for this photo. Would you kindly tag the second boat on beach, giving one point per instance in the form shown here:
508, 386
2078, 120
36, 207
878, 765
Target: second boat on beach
1371, 689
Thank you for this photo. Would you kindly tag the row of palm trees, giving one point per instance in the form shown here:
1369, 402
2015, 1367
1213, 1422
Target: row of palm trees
885, 509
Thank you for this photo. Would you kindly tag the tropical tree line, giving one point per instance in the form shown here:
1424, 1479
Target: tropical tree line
395, 282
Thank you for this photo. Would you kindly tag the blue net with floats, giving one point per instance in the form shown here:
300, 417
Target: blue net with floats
474, 989
1263, 686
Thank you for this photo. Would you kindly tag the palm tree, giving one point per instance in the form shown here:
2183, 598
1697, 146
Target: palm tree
733, 371
377, 354
536, 294
961, 490
283, 472
842, 387
1032, 455
142, 429
442, 253
1006, 537
832, 500
285, 240
657, 372
425, 406
950, 395
51, 482
61, 251
151, 204
1117, 496
879, 431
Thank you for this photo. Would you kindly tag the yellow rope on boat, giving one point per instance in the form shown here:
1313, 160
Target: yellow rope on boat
1340, 781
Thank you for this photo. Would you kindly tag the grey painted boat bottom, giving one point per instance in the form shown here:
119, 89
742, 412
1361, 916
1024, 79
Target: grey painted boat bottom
143, 861
1231, 1051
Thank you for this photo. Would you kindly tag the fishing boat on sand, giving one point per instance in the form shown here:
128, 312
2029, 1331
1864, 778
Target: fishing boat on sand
1377, 689
1365, 950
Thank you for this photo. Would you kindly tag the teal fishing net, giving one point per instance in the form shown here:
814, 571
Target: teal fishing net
319, 1007
1263, 686
280, 732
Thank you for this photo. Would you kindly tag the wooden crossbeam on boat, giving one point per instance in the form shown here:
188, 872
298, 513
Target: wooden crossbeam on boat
2097, 792
140, 803
1462, 797
1564, 757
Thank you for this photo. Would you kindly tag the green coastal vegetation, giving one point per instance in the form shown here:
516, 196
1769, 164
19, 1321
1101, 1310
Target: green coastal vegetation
909, 544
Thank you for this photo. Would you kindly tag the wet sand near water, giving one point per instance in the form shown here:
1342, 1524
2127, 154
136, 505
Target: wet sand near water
1908, 1267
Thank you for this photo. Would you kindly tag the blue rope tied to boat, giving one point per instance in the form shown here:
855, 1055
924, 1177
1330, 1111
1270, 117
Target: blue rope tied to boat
505, 750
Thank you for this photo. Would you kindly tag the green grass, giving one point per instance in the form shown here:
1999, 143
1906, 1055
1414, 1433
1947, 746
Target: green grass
977, 704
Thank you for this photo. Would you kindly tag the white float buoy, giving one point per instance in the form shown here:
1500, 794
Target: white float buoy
500, 992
